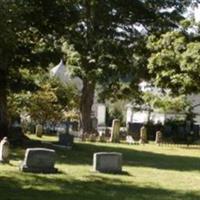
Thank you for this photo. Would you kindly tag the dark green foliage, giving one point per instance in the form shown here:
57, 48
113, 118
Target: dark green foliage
104, 34
174, 62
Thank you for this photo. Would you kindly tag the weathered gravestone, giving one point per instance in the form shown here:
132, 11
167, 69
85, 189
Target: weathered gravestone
4, 150
115, 131
39, 130
39, 160
108, 162
143, 135
158, 137
65, 139
64, 136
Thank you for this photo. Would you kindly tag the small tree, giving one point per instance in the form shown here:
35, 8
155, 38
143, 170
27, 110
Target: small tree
48, 102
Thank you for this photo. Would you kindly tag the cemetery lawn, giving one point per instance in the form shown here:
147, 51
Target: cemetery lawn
149, 172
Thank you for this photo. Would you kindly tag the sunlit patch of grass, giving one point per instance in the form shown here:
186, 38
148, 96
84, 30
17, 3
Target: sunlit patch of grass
152, 172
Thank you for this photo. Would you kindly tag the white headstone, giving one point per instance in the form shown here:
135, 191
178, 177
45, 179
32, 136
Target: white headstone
129, 139
4, 150
101, 114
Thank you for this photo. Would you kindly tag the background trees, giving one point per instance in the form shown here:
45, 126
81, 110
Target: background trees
174, 62
21, 46
49, 103
8, 41
107, 36
166, 103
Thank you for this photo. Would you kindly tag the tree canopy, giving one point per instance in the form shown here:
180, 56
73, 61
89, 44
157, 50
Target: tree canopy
105, 35
175, 61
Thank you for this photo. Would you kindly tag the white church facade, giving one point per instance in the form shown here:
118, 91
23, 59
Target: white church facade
64, 75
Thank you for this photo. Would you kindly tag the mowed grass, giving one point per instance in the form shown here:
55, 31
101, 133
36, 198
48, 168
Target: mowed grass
150, 172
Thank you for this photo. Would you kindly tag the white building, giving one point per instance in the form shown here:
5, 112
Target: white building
63, 73
143, 114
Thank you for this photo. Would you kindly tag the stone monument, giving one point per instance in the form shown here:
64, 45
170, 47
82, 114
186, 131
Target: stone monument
4, 150
143, 135
108, 162
65, 139
39, 160
39, 130
115, 131
158, 137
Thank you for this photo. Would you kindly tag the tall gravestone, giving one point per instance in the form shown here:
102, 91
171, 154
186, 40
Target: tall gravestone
39, 130
158, 137
143, 135
4, 150
115, 131
94, 123
39, 160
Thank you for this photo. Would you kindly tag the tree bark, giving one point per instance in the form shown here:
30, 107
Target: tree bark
3, 104
86, 103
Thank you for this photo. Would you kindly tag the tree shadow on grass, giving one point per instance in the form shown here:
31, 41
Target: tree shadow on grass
82, 154
96, 187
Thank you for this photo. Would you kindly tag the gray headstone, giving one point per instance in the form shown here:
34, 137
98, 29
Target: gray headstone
65, 139
110, 162
39, 160
4, 150
94, 123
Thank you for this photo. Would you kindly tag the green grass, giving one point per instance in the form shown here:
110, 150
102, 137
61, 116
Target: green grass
151, 172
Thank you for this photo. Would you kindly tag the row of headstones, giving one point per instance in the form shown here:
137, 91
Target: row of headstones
114, 133
4, 146
42, 160
143, 133
67, 139
104, 136
143, 136
64, 139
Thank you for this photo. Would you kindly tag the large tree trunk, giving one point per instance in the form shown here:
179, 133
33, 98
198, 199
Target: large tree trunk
86, 103
3, 104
